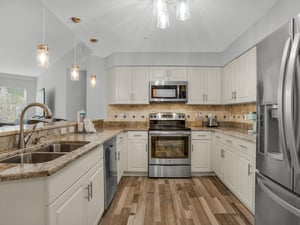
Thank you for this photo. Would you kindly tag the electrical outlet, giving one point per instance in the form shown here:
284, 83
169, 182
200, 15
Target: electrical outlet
71, 129
63, 131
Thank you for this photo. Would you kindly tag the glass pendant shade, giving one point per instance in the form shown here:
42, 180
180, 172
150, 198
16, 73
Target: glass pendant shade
159, 6
182, 10
74, 72
93, 80
42, 56
163, 21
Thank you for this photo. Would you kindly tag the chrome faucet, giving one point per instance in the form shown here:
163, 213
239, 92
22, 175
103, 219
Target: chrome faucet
48, 114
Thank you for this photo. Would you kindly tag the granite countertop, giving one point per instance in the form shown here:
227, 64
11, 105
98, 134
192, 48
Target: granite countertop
11, 171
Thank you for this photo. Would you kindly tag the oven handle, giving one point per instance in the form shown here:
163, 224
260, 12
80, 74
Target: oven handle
169, 133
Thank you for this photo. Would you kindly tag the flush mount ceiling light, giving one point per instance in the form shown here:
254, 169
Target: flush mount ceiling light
160, 10
42, 57
93, 80
94, 40
76, 19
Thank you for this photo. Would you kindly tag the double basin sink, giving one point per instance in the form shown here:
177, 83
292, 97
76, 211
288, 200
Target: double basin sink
46, 153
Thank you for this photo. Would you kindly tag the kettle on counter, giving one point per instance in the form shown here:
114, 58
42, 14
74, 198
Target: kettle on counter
211, 121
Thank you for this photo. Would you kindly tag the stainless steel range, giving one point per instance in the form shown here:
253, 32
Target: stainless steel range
169, 145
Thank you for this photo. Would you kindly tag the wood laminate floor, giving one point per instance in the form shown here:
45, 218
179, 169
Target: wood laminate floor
195, 201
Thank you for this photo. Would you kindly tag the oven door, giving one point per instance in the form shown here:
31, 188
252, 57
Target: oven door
169, 147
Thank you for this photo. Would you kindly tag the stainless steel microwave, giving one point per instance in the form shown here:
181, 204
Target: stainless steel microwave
168, 91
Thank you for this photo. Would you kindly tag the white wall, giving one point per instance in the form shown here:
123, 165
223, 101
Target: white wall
97, 96
163, 59
275, 18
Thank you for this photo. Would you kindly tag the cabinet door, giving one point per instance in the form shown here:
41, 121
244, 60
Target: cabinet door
70, 208
201, 150
229, 82
158, 73
246, 180
177, 74
246, 77
195, 85
220, 161
137, 156
95, 206
140, 85
231, 175
212, 86
123, 82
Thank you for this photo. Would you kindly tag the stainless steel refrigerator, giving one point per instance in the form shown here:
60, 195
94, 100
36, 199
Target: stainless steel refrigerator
277, 197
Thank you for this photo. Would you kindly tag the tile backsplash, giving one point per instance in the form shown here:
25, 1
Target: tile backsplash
225, 113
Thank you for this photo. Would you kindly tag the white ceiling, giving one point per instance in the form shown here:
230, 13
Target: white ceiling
121, 26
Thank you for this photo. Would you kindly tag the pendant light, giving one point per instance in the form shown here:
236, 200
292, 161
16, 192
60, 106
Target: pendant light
74, 67
161, 11
182, 10
93, 80
42, 51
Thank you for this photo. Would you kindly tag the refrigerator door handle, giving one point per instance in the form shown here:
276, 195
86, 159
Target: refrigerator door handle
267, 187
289, 104
283, 67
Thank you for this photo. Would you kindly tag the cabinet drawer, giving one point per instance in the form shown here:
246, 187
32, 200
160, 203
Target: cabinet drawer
229, 141
246, 147
201, 135
137, 135
219, 137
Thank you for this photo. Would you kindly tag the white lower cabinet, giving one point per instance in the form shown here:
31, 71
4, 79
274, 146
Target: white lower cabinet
233, 161
121, 145
82, 203
73, 195
230, 176
219, 161
137, 150
201, 151
245, 169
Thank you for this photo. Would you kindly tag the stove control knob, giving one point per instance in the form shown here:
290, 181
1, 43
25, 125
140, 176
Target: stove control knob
154, 116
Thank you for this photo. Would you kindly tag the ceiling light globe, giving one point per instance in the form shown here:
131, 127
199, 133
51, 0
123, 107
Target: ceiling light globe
74, 72
42, 57
182, 10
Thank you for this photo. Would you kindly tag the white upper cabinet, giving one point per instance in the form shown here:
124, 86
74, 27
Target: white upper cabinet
168, 74
129, 85
239, 79
204, 85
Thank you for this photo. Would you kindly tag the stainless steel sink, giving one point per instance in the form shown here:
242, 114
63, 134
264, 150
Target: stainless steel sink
33, 157
63, 146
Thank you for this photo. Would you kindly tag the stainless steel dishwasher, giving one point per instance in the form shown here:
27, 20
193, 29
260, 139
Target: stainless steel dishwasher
110, 171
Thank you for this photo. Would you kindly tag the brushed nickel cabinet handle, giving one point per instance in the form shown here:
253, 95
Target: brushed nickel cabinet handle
137, 135
249, 169
91, 192
88, 194
229, 141
243, 146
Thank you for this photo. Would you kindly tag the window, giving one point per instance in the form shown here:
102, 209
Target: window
12, 101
